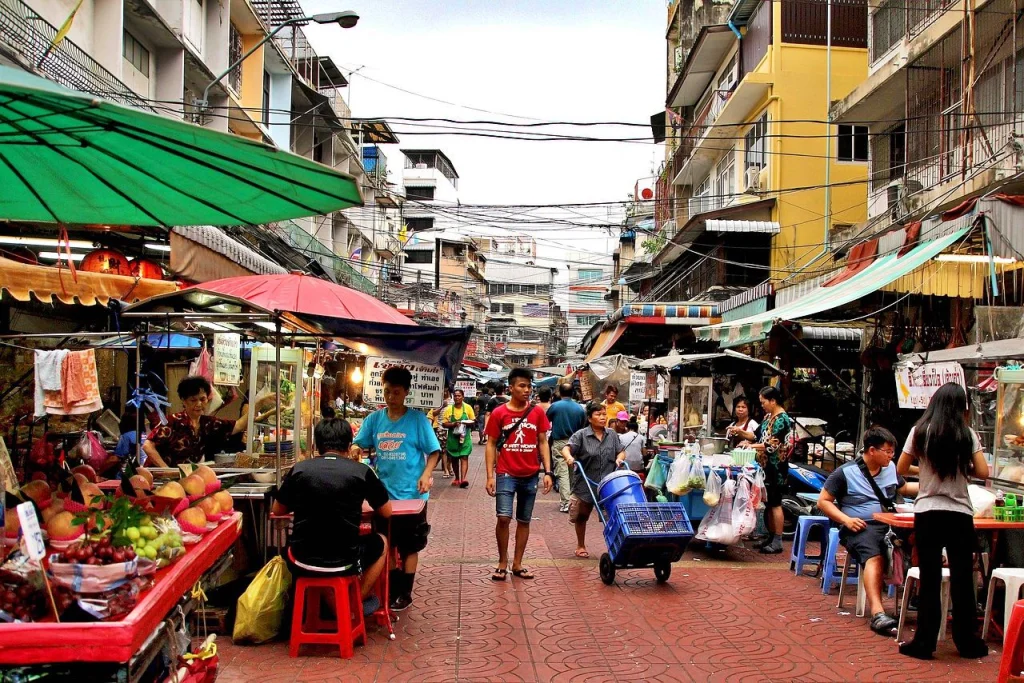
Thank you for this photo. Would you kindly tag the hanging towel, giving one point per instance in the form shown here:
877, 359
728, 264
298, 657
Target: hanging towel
48, 376
80, 393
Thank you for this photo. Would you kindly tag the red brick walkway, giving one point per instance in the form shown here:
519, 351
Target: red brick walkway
734, 617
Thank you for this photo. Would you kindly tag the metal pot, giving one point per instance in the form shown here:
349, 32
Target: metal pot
720, 444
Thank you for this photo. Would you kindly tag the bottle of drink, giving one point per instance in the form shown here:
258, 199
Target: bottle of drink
1000, 499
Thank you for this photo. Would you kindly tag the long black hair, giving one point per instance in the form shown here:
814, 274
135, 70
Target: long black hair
942, 436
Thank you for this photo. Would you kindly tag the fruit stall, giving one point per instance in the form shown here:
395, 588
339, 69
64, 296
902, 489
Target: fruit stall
97, 581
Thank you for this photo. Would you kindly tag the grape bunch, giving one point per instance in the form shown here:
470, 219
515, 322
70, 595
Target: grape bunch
98, 552
148, 541
26, 602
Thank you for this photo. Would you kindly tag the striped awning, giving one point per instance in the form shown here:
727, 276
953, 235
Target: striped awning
685, 313
727, 225
882, 271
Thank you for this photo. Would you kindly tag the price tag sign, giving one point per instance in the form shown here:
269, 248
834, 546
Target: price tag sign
34, 545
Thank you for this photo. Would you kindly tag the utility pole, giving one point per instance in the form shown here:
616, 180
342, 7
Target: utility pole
416, 310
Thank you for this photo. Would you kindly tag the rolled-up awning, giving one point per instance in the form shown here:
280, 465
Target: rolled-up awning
726, 225
23, 281
605, 341
882, 271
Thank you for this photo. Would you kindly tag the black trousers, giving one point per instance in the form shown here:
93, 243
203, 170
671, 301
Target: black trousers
953, 531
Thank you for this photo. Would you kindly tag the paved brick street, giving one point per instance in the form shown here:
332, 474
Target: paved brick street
724, 618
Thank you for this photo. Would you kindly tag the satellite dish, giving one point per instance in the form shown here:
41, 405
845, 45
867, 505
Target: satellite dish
646, 193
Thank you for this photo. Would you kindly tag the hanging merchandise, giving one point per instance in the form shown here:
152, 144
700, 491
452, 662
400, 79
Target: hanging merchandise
758, 492
106, 261
712, 489
696, 481
744, 508
202, 366
716, 526
656, 474
679, 475
79, 391
48, 366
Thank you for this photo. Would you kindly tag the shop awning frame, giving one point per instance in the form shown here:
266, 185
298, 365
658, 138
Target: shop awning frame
882, 271
673, 360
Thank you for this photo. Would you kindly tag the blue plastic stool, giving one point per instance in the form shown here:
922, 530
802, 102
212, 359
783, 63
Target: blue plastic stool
831, 574
798, 557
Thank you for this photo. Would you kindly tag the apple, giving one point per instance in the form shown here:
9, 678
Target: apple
209, 505
87, 471
145, 473
194, 516
225, 500
38, 490
62, 525
56, 507
194, 485
171, 489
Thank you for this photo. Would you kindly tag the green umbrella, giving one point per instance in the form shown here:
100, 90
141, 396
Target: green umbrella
70, 157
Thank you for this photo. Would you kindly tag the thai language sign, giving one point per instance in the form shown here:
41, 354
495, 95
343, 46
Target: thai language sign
916, 384
427, 382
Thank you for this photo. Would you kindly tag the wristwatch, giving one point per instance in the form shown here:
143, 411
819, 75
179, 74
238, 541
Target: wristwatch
549, 474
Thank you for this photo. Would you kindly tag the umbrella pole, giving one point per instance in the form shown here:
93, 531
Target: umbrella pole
277, 398
138, 410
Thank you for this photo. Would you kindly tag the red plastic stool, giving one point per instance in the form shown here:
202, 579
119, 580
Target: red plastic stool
348, 606
1012, 662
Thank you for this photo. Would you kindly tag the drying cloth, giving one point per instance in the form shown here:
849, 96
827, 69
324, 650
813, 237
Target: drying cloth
48, 366
81, 390
74, 390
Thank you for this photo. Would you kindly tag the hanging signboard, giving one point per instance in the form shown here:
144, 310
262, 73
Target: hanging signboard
916, 384
646, 386
467, 387
227, 359
427, 382
586, 386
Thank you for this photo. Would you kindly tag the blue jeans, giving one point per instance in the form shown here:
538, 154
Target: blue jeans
523, 489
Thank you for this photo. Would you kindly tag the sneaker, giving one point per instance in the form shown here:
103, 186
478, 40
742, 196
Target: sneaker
370, 605
564, 507
401, 603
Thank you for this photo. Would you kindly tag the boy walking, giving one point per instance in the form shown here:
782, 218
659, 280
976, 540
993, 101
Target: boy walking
516, 434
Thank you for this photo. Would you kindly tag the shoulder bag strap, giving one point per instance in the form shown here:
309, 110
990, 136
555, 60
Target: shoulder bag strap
888, 504
504, 435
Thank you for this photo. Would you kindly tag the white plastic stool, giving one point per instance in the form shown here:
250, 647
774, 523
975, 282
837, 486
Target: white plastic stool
1013, 580
862, 596
914, 575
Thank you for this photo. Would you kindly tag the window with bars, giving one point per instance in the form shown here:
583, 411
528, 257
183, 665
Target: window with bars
234, 54
419, 193
419, 256
725, 176
508, 308
755, 145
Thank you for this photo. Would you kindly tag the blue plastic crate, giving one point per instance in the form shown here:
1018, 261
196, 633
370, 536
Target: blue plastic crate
663, 527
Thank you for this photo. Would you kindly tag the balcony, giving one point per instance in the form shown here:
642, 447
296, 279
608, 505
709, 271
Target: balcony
26, 37
718, 119
386, 245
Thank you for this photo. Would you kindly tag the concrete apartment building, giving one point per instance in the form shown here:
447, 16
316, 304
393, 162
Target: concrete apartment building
444, 279
431, 189
589, 289
522, 322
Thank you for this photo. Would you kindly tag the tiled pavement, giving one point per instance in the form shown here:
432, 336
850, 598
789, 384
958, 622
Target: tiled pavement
739, 616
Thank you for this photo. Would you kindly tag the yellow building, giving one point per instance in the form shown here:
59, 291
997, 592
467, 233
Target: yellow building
741, 199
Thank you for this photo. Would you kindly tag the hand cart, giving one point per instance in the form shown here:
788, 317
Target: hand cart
639, 536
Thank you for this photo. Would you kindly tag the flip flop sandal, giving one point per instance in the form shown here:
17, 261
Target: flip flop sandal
582, 554
522, 573
499, 574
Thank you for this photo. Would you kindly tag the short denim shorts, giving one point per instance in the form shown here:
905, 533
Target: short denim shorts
523, 489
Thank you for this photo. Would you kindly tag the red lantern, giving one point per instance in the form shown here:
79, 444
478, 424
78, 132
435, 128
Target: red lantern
106, 261
145, 268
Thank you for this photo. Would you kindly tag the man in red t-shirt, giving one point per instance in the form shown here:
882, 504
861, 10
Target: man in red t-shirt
516, 433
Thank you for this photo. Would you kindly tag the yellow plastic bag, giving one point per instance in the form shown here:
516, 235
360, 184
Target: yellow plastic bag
262, 605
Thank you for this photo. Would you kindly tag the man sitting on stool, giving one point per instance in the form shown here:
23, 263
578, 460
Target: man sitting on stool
326, 495
849, 499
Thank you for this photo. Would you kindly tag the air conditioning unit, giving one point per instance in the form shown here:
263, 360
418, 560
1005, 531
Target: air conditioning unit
755, 181
901, 200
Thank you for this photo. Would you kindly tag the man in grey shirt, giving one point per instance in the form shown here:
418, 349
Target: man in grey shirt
598, 452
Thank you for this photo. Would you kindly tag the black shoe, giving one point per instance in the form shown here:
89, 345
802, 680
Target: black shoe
400, 603
909, 649
763, 541
883, 624
974, 650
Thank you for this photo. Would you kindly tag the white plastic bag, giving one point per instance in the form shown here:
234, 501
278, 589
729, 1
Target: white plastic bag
744, 512
716, 527
712, 489
696, 478
679, 476
758, 492
982, 500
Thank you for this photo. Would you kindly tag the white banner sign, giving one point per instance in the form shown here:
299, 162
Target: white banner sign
467, 387
227, 359
427, 382
638, 387
915, 385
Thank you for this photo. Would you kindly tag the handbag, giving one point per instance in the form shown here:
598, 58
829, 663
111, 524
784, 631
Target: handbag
895, 555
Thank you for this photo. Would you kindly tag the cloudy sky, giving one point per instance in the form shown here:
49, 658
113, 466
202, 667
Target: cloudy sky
551, 60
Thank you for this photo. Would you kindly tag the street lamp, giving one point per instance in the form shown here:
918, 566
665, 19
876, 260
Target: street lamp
346, 19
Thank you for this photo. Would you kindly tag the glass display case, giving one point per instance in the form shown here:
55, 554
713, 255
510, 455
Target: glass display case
262, 435
694, 407
1009, 443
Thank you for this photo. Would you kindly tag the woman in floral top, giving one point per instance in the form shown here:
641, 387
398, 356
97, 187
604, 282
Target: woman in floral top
773, 446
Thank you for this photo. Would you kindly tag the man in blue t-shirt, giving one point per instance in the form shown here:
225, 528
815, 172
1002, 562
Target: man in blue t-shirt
849, 499
567, 417
407, 452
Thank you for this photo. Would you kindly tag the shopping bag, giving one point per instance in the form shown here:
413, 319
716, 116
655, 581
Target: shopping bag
202, 366
679, 476
758, 493
262, 605
716, 527
696, 479
90, 451
744, 512
656, 475
712, 489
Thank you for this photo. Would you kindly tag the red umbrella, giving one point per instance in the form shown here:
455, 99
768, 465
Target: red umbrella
304, 294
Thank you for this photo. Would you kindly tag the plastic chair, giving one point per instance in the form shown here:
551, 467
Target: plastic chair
1013, 580
913, 578
862, 596
1012, 662
349, 626
831, 574
798, 556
